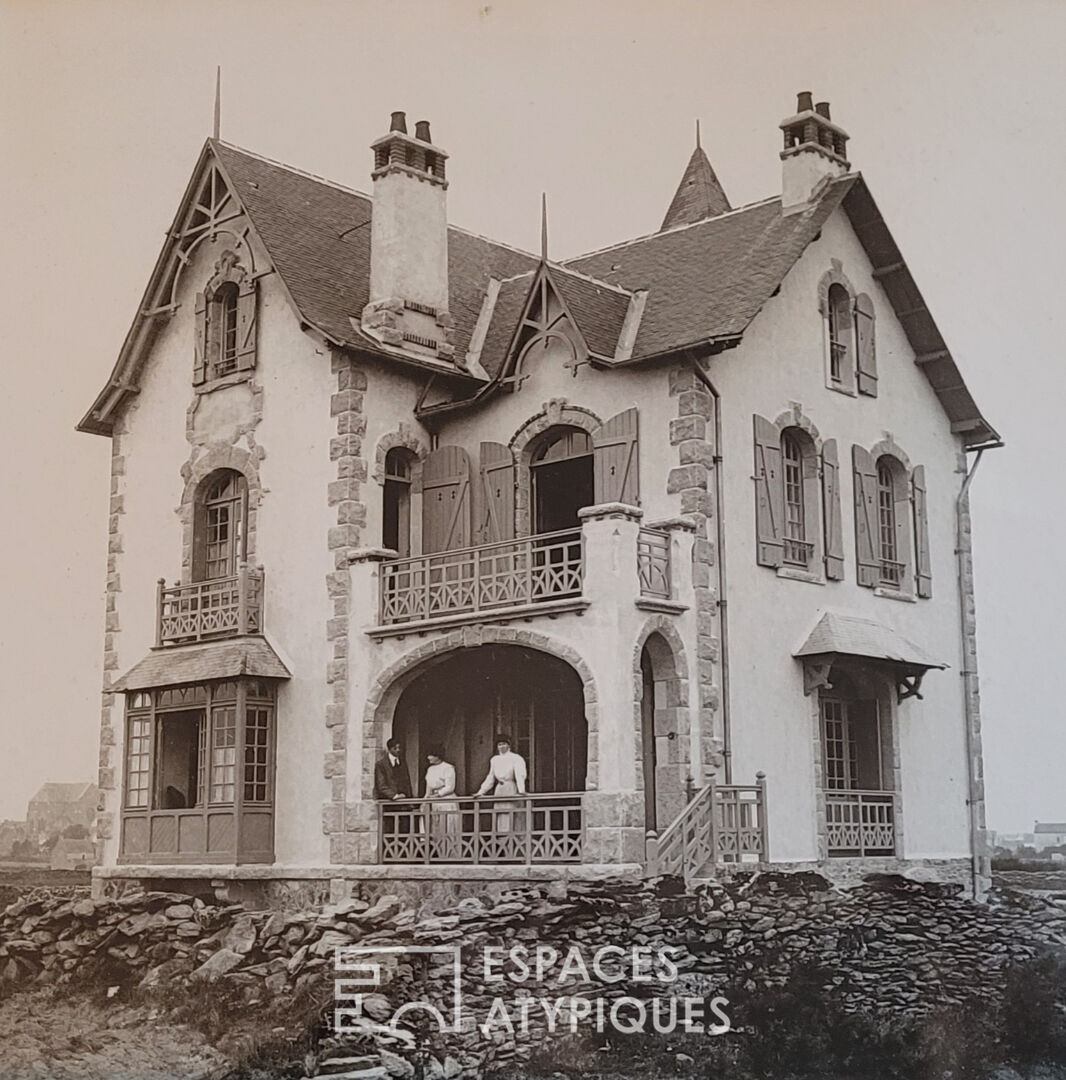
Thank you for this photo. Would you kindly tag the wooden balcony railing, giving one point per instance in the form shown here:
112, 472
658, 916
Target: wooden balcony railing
860, 823
531, 570
528, 829
723, 824
798, 552
892, 572
653, 563
208, 610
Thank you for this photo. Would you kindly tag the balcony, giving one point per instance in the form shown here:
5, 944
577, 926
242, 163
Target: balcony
860, 823
524, 829
210, 610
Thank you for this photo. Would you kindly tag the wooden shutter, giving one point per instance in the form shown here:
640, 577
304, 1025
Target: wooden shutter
445, 500
868, 565
199, 371
495, 494
866, 349
246, 326
834, 533
769, 494
617, 462
922, 563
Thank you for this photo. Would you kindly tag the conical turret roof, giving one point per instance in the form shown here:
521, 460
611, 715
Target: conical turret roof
698, 196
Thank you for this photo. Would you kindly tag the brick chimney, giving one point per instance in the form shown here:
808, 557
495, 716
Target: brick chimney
409, 243
815, 149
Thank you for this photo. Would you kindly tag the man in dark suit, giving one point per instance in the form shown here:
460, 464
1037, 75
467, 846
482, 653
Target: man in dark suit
391, 778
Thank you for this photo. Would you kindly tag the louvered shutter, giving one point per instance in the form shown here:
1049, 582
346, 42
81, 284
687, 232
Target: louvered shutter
246, 328
769, 494
199, 371
445, 500
495, 494
617, 463
834, 532
922, 563
867, 352
868, 566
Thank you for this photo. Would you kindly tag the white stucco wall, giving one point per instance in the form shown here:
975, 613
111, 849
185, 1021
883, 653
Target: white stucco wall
781, 361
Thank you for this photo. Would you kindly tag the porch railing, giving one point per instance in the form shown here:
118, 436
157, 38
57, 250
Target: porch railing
860, 822
723, 824
531, 570
524, 829
204, 610
653, 563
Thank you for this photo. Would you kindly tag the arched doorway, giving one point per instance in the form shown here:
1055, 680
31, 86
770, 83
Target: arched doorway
663, 740
562, 468
464, 700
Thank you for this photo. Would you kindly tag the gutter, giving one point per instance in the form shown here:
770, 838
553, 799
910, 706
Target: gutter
723, 603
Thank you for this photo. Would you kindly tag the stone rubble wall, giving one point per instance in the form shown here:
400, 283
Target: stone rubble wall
893, 946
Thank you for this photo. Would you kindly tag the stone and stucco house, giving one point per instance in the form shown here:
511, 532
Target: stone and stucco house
685, 517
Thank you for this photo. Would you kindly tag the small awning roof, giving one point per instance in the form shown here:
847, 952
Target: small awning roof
176, 665
847, 635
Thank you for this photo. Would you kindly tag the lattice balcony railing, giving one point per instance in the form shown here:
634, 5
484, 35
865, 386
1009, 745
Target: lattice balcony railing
208, 610
524, 829
723, 824
860, 822
512, 573
653, 563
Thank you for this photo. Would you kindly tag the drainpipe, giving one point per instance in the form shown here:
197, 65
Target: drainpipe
719, 524
969, 674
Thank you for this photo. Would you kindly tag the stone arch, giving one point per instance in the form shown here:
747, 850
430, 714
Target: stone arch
666, 651
238, 240
554, 413
833, 276
195, 472
384, 693
407, 439
890, 448
794, 417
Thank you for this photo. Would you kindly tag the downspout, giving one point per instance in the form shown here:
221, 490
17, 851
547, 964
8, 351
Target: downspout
969, 673
719, 524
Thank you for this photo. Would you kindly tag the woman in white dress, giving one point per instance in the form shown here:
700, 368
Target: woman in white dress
443, 811
507, 776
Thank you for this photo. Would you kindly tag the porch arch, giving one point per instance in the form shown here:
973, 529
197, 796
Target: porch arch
386, 690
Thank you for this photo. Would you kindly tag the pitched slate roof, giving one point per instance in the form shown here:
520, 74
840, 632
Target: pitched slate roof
318, 235
698, 196
59, 792
179, 664
1050, 827
852, 636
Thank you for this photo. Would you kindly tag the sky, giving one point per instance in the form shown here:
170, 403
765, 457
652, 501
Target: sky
955, 116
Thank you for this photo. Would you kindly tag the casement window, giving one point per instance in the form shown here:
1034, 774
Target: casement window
396, 501
797, 502
891, 525
220, 526
199, 770
225, 323
851, 357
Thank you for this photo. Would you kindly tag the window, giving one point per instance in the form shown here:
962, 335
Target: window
797, 548
891, 567
225, 323
220, 526
840, 361
851, 359
396, 502
562, 469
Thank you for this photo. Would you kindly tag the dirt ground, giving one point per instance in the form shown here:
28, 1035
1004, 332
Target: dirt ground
42, 1038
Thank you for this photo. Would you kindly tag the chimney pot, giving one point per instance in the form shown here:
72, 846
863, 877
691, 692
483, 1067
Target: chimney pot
399, 122
422, 131
804, 101
822, 109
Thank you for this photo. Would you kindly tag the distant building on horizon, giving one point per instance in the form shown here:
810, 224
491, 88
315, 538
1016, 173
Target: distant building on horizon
58, 805
1049, 834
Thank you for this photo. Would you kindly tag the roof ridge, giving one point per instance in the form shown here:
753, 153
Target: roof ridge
588, 277
674, 229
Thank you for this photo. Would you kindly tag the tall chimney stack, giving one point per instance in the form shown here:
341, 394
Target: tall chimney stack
408, 305
815, 149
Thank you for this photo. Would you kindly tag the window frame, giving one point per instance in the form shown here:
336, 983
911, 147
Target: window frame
205, 523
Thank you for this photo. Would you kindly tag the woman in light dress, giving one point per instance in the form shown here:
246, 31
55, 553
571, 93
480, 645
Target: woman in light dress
507, 776
443, 809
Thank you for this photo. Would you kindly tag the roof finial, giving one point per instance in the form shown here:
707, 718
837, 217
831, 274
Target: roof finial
543, 227
698, 147
218, 101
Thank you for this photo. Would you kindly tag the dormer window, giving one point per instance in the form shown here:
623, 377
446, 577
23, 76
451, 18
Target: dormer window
225, 329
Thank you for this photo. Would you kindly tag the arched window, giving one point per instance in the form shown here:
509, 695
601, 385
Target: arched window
396, 501
841, 359
225, 303
797, 544
562, 468
220, 525
890, 549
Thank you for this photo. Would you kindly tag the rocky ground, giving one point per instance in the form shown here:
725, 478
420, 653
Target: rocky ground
103, 989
